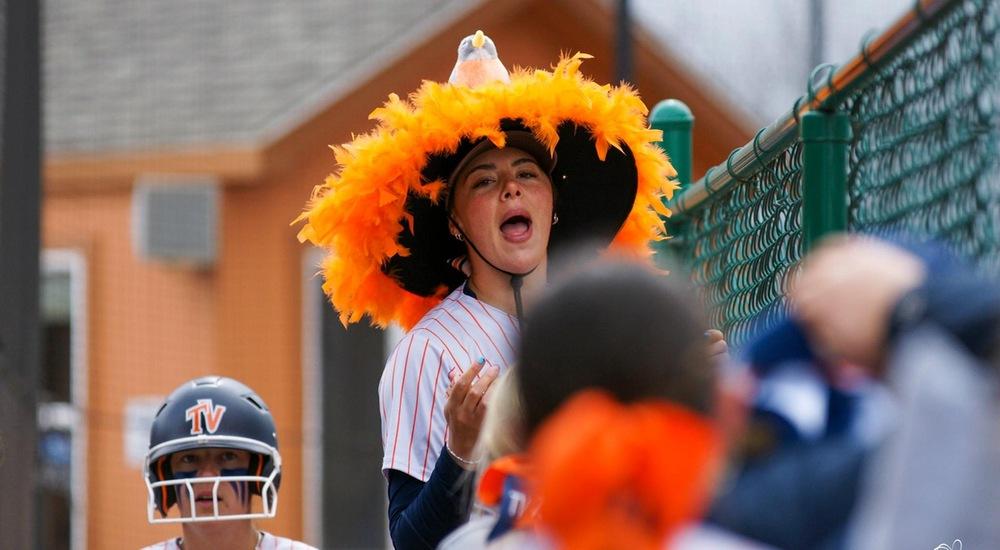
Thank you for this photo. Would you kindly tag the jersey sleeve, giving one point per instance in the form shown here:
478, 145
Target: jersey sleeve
412, 398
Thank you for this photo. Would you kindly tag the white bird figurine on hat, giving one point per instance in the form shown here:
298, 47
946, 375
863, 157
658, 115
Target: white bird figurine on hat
478, 62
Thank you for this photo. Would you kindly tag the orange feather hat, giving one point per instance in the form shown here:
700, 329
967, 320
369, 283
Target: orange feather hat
381, 216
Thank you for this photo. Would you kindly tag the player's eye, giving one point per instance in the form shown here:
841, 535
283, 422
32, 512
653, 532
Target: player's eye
188, 459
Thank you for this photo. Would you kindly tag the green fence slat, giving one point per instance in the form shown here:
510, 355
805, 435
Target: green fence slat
825, 139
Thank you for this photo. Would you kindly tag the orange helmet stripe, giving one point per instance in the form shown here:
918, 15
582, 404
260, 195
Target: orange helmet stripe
163, 489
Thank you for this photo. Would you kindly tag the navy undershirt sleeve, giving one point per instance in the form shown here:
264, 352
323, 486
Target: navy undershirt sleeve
422, 514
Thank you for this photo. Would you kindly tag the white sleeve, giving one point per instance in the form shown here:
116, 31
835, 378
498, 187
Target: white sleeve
412, 399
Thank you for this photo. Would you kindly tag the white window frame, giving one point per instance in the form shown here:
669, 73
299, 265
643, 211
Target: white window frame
73, 262
312, 401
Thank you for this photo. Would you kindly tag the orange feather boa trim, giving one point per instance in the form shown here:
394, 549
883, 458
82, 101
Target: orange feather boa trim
609, 475
357, 213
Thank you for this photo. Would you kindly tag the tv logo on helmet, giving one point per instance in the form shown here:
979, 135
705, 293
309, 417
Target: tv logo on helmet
212, 415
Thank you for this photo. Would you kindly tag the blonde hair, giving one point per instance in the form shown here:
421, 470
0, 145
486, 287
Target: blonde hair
503, 426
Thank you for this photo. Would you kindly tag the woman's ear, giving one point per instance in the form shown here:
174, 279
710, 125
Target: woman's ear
454, 229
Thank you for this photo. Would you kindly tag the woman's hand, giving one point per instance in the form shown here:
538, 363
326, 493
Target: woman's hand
466, 408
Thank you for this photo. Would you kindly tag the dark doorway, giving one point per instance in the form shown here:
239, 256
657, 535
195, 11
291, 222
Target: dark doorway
353, 489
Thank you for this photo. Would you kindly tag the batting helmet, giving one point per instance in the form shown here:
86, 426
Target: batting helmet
212, 412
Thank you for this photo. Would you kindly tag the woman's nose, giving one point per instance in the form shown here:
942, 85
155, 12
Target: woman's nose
511, 189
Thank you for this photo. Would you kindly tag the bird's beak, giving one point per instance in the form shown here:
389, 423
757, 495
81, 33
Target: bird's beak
479, 39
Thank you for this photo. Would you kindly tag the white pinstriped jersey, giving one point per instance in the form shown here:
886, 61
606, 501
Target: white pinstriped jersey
447, 339
267, 542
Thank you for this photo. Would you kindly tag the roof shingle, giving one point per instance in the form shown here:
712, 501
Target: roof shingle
123, 75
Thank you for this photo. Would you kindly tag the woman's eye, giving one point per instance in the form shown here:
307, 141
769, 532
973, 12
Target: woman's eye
188, 459
482, 182
229, 457
527, 174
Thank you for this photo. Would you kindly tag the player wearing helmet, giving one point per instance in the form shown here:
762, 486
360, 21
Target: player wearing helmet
212, 447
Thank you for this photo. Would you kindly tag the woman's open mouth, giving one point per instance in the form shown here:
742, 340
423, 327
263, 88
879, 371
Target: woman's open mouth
516, 227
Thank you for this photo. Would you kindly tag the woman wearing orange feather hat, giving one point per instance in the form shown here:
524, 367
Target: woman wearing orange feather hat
445, 214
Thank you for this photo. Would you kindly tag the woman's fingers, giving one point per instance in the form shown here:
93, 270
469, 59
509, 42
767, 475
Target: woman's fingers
477, 392
469, 376
460, 387
464, 410
458, 391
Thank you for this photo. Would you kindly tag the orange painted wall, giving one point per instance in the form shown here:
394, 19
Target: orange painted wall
149, 328
152, 326
259, 310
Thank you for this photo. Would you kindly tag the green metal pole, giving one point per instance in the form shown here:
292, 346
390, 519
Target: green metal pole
675, 120
825, 141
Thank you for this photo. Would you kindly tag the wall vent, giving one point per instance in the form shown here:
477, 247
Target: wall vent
175, 219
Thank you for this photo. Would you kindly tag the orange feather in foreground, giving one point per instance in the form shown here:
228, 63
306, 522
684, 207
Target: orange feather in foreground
610, 476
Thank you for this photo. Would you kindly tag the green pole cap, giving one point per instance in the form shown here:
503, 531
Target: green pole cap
671, 113
820, 126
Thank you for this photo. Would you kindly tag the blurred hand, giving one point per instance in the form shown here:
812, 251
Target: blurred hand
734, 390
845, 294
718, 349
734, 394
466, 408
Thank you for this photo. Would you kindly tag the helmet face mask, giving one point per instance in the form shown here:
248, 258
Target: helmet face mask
212, 413
161, 488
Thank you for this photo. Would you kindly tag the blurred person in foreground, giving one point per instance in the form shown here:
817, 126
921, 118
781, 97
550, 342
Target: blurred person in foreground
615, 389
929, 327
213, 446
922, 326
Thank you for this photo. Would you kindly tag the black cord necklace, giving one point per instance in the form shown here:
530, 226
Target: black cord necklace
516, 279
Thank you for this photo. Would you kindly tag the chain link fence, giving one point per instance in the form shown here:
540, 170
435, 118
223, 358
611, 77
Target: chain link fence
926, 153
743, 242
924, 105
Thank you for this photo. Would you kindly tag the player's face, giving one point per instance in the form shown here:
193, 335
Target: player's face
504, 205
195, 464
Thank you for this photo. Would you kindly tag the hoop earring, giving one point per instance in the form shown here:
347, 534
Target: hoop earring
555, 218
